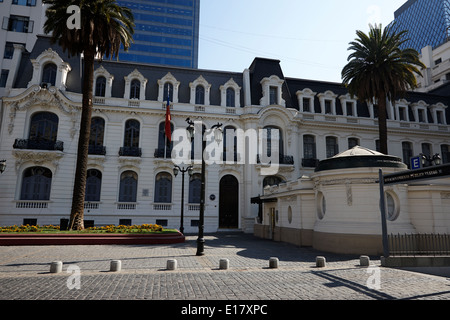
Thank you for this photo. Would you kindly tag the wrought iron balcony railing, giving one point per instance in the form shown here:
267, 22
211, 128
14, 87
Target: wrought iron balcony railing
130, 152
97, 150
283, 159
39, 144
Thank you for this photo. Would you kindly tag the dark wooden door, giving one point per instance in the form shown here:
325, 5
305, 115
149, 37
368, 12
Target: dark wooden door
229, 203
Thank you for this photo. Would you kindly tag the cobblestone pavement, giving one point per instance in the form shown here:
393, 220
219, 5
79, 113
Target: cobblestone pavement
25, 273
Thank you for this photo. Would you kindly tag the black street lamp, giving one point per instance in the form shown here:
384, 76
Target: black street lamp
177, 169
2, 166
218, 138
428, 161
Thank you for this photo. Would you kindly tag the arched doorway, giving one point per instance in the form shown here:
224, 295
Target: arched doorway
229, 203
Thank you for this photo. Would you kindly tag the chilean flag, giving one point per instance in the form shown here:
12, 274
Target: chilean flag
168, 119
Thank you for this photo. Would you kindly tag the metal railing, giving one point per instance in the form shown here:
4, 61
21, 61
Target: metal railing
419, 245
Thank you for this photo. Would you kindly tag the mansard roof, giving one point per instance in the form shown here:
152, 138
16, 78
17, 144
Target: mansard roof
260, 69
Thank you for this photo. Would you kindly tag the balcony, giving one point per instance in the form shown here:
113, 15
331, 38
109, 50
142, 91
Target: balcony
130, 152
310, 163
97, 150
283, 159
39, 144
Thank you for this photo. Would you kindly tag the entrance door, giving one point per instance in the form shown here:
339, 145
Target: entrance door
229, 203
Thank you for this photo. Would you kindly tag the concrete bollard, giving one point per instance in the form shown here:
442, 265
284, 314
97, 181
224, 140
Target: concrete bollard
56, 267
171, 264
321, 262
364, 261
116, 266
273, 263
224, 264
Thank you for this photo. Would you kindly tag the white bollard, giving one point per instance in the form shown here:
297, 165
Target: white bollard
224, 264
116, 266
273, 263
171, 264
321, 262
56, 267
364, 261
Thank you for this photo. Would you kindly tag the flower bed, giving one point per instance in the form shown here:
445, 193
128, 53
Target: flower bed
125, 235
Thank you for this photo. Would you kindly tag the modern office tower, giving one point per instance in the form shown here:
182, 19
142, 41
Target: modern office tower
21, 21
166, 32
427, 22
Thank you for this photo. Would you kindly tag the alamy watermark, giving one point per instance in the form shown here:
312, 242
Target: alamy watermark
74, 21
236, 146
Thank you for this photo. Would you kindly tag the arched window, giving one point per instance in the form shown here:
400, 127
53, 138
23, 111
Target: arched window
445, 153
93, 185
407, 150
164, 146
195, 186
199, 95
36, 184
132, 130
135, 89
49, 73
229, 144
100, 86
43, 131
353, 142
309, 147
231, 98
128, 187
163, 188
168, 91
97, 132
332, 147
272, 132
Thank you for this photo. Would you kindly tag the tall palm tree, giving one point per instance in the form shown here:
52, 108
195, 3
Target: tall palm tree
379, 70
104, 27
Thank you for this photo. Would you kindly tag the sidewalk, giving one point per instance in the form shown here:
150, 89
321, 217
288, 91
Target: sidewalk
24, 273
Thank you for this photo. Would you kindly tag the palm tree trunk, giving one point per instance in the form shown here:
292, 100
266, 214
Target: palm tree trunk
382, 122
79, 189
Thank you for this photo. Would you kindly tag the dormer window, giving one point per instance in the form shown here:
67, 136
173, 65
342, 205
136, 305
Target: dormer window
272, 92
49, 74
420, 111
438, 113
49, 68
135, 89
100, 87
200, 90
230, 94
328, 102
135, 85
168, 85
199, 95
306, 100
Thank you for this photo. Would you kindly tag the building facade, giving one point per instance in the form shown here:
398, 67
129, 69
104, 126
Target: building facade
166, 32
130, 177
427, 22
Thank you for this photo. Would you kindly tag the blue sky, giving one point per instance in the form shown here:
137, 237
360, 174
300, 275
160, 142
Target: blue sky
310, 38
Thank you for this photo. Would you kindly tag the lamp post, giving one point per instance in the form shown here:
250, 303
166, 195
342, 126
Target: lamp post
218, 137
428, 161
177, 169
2, 166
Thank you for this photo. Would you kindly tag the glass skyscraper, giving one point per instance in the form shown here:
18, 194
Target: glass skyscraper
166, 32
427, 22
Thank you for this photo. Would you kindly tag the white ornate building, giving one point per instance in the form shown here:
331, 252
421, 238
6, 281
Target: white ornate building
130, 177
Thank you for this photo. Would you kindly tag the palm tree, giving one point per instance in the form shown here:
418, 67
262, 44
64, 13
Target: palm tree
379, 70
104, 27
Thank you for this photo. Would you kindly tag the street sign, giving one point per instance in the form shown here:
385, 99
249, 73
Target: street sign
416, 163
420, 174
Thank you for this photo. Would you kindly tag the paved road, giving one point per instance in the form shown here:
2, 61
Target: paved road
24, 274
